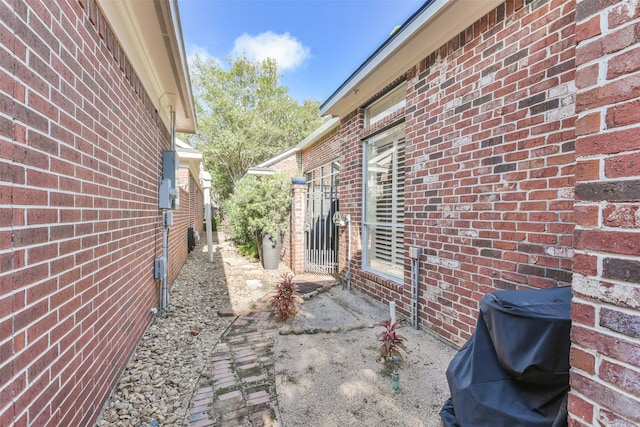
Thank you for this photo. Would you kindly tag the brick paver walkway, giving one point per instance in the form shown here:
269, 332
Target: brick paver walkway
238, 388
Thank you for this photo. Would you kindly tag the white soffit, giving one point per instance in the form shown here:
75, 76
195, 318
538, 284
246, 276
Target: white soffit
186, 148
151, 36
419, 37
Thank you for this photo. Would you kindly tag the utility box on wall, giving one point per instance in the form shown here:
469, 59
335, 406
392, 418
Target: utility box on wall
169, 193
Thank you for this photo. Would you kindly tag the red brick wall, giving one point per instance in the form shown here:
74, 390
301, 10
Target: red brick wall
489, 165
350, 197
293, 246
289, 166
322, 152
178, 251
197, 208
605, 354
190, 213
80, 152
490, 161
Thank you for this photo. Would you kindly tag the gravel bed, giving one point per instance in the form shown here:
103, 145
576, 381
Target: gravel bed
332, 378
156, 386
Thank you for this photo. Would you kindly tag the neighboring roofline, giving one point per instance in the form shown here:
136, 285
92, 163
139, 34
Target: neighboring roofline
150, 34
264, 167
190, 158
187, 152
321, 131
276, 159
429, 28
256, 170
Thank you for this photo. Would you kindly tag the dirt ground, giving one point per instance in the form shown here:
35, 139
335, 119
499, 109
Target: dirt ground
334, 378
322, 378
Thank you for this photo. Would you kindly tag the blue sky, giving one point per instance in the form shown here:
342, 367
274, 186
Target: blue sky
317, 43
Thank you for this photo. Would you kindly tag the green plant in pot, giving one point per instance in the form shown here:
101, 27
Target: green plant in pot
260, 208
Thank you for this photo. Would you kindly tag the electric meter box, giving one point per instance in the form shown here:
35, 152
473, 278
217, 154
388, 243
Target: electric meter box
169, 193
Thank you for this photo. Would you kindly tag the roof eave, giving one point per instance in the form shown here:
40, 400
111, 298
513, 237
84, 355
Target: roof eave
322, 130
433, 25
151, 36
273, 160
186, 151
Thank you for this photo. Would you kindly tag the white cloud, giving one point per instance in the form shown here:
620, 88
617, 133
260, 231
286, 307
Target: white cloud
288, 52
195, 50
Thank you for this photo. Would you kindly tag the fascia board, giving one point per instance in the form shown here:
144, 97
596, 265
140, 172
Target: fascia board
321, 131
432, 28
186, 151
276, 158
137, 26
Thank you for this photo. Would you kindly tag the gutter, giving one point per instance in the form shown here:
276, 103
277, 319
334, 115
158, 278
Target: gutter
429, 28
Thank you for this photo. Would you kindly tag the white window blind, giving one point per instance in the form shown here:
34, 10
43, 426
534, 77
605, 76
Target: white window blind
384, 202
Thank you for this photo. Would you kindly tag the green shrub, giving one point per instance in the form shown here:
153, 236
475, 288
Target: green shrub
259, 205
249, 249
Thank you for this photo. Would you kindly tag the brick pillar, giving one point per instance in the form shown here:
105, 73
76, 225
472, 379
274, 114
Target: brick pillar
605, 362
297, 225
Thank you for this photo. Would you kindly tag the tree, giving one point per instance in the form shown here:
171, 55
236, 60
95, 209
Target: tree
244, 117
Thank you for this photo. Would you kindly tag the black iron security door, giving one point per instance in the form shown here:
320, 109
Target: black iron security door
321, 235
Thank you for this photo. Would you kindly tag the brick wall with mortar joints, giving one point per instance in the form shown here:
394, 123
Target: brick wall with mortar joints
197, 213
490, 160
606, 305
322, 152
350, 194
294, 250
182, 220
289, 166
192, 199
489, 169
78, 212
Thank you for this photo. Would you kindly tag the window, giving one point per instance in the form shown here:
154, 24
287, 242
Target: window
383, 214
388, 104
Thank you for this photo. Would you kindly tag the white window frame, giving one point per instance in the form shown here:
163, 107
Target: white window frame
385, 106
383, 203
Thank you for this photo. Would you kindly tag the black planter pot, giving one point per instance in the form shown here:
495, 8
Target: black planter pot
270, 250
